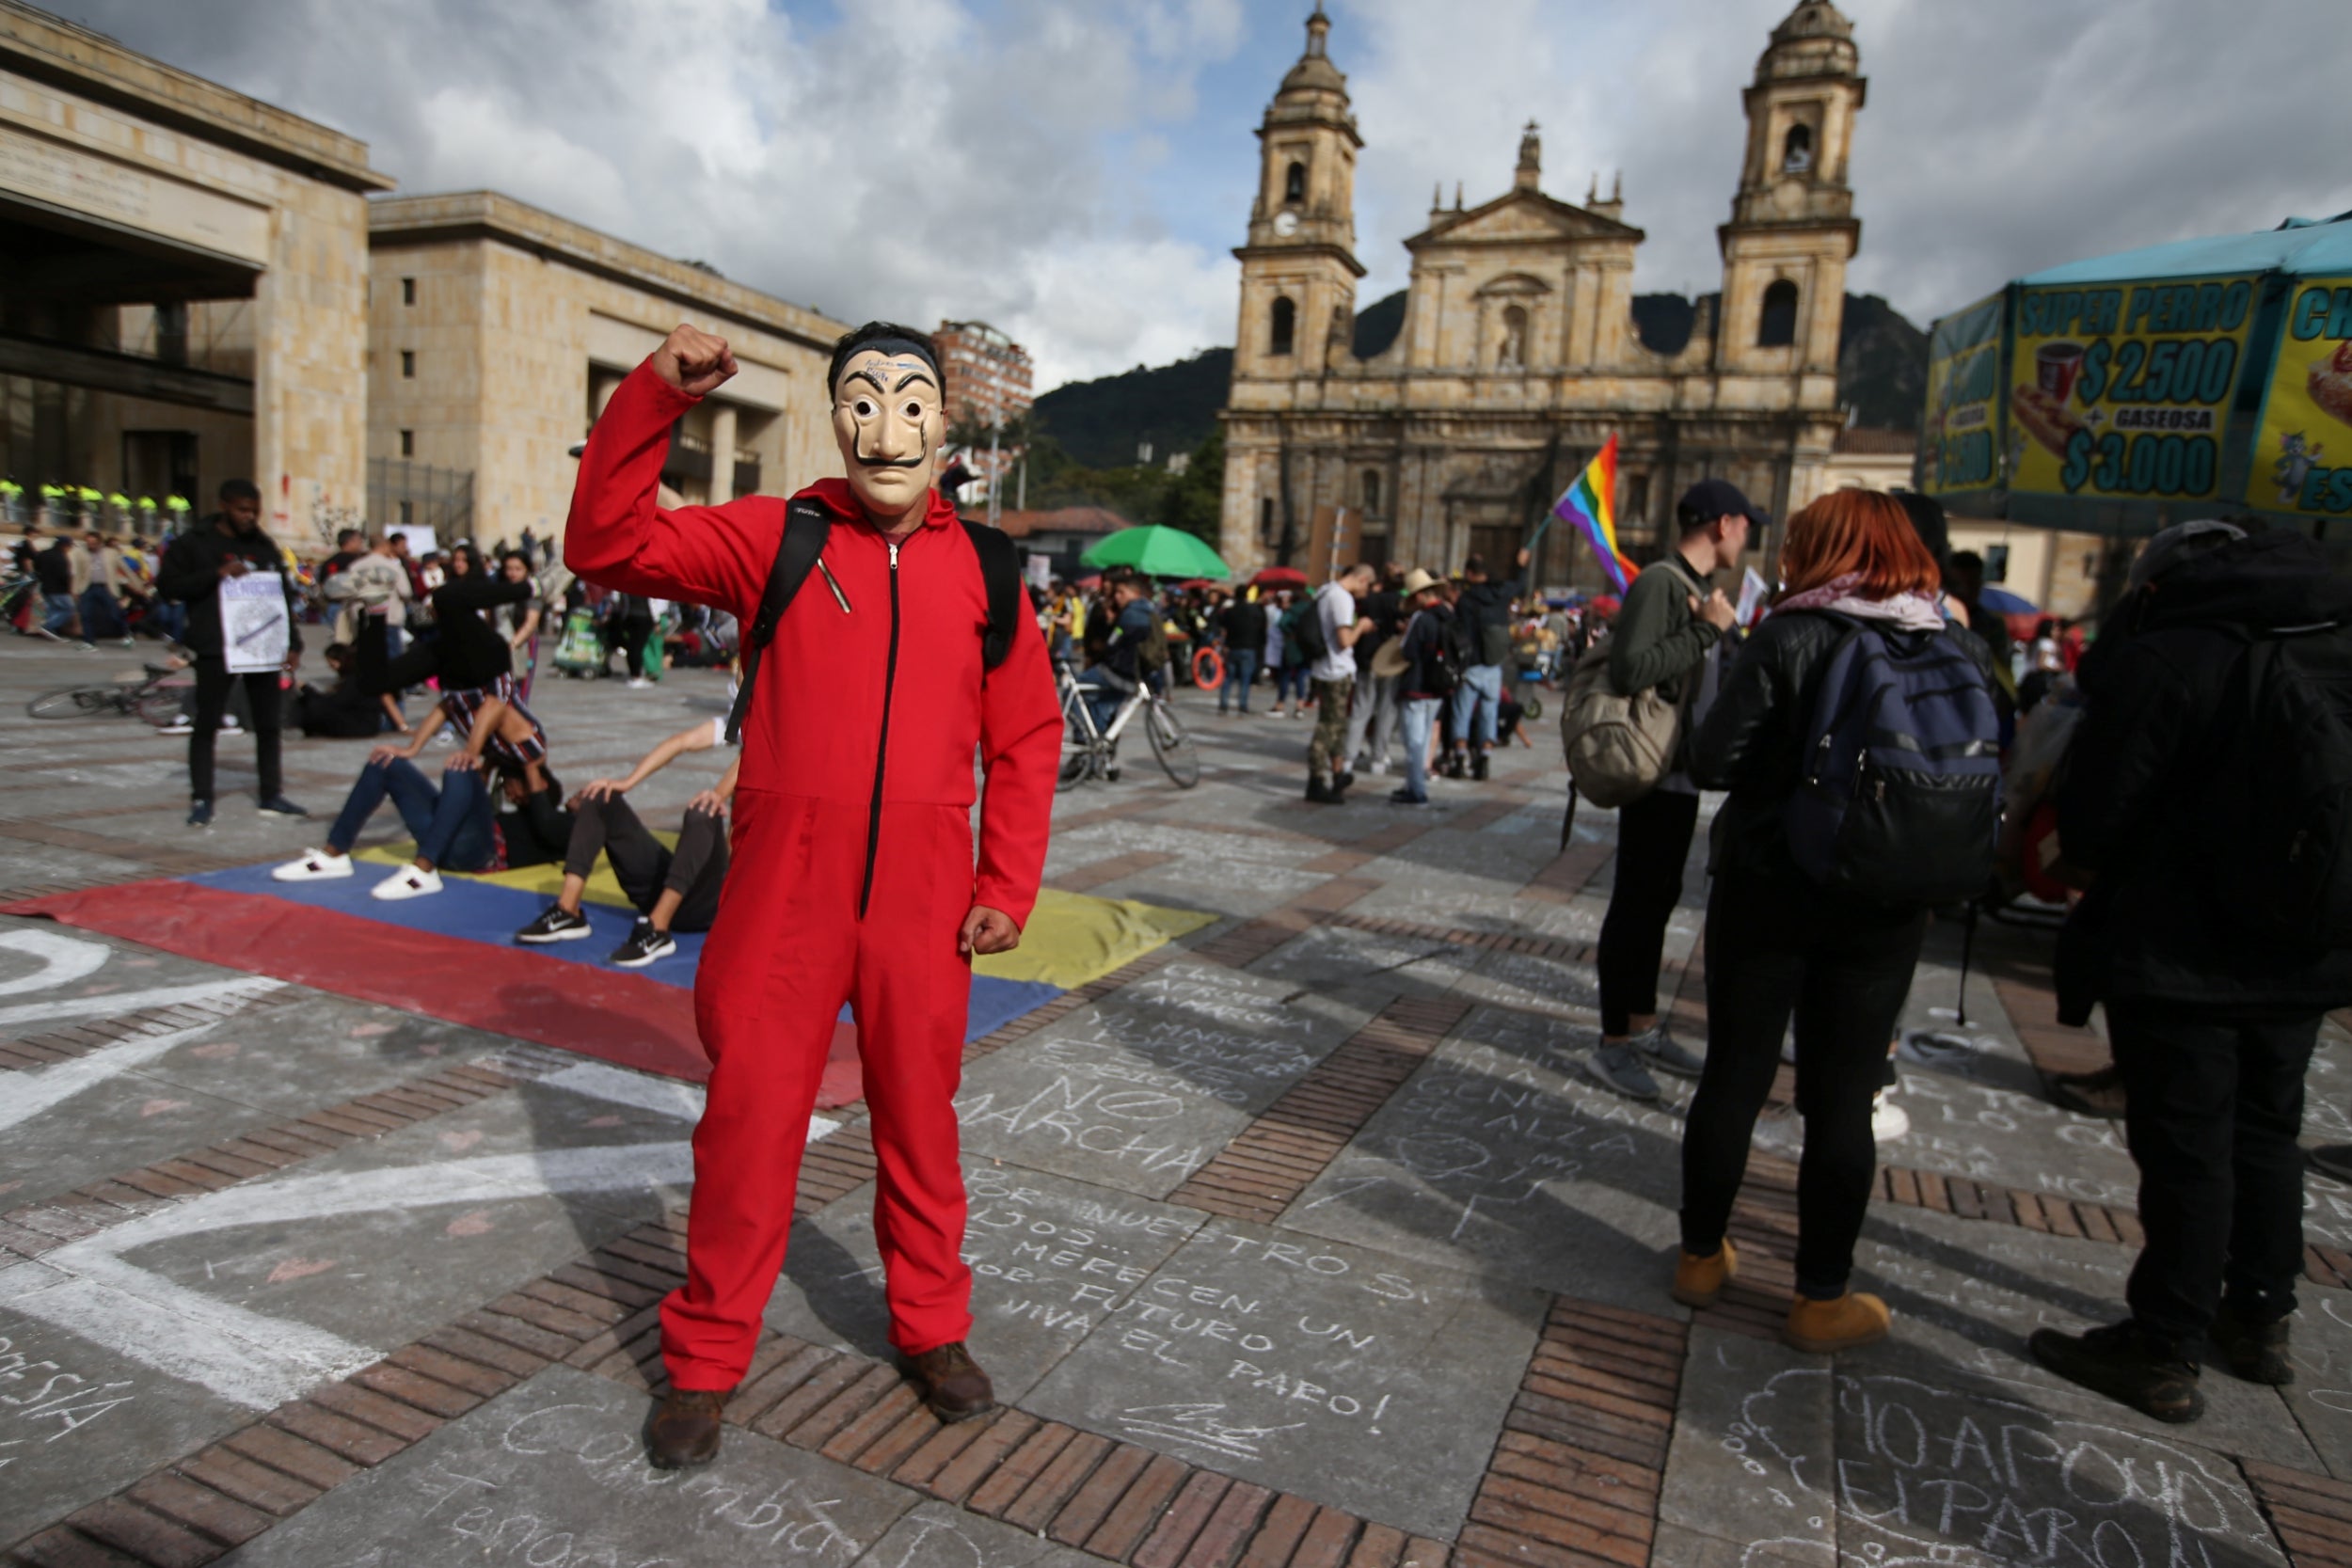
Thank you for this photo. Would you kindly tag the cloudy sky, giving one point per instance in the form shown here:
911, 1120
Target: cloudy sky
1077, 170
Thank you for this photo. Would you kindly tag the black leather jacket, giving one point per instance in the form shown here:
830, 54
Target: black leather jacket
1752, 740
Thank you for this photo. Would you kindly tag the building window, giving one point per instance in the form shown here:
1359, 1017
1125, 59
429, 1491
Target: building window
1265, 521
407, 513
408, 291
1796, 150
1371, 491
407, 443
1996, 564
408, 364
1294, 183
1284, 325
1512, 353
1777, 324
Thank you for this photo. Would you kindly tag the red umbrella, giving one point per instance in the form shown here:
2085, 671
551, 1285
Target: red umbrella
1281, 577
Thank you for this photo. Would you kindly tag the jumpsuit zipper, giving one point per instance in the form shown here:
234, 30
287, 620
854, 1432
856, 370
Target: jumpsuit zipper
882, 746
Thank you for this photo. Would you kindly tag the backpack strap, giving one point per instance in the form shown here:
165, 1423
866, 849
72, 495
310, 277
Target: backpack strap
806, 530
1000, 572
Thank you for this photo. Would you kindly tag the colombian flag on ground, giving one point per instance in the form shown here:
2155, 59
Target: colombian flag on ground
452, 956
1591, 505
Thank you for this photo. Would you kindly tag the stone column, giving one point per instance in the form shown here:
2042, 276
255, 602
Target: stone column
722, 452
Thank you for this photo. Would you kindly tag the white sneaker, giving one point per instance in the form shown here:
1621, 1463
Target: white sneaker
638, 683
316, 866
228, 725
407, 883
1376, 766
178, 726
1888, 1120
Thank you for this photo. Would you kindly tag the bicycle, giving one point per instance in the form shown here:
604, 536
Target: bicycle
1088, 752
156, 697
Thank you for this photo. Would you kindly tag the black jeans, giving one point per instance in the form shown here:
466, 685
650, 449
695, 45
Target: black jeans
1653, 845
1844, 968
2213, 1105
696, 870
212, 682
634, 634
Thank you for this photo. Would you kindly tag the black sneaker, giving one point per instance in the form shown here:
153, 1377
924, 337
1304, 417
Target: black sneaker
200, 814
557, 923
2120, 1362
278, 805
2256, 1351
1478, 767
643, 946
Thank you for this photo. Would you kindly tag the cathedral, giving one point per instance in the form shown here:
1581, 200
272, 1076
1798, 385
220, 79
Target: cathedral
1517, 357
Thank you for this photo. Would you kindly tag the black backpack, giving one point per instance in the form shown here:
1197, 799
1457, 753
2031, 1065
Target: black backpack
1302, 630
1899, 801
807, 526
2287, 869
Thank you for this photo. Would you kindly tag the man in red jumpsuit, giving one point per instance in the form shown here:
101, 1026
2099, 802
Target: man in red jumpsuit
854, 873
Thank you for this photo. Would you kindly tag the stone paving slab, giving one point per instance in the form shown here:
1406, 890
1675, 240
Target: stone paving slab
1967, 1294
1138, 1090
551, 1472
1346, 1375
78, 1419
1051, 1257
1502, 1150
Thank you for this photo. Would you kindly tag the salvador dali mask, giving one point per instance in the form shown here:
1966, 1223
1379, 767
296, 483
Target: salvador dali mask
887, 416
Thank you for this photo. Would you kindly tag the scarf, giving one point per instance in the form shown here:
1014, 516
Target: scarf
1904, 612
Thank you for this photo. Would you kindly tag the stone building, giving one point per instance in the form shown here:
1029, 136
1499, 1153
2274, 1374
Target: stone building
496, 331
183, 274
1517, 357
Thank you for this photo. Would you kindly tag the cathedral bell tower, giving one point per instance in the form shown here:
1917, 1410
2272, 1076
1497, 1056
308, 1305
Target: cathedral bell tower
1299, 269
1792, 227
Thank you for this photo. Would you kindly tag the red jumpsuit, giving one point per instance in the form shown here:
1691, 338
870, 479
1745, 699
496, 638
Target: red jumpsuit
853, 867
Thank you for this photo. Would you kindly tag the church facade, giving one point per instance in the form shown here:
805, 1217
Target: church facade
1517, 357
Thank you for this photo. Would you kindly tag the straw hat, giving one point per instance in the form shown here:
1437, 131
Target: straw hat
1388, 662
1417, 581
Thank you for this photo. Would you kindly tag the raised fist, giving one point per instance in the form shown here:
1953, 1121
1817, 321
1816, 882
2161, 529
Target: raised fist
695, 361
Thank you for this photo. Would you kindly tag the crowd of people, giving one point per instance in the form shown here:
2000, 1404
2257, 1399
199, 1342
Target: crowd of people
2180, 782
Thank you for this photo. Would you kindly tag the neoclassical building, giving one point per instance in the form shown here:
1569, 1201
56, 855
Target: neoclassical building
1517, 357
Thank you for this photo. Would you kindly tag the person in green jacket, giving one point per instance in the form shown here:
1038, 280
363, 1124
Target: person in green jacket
1672, 618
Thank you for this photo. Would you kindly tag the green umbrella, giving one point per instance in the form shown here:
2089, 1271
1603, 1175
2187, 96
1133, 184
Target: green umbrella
1160, 552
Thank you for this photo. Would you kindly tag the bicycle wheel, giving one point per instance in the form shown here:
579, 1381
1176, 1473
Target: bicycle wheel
157, 704
1532, 707
76, 702
1172, 746
1077, 746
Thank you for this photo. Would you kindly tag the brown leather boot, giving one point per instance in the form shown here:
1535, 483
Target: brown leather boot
683, 1429
951, 1383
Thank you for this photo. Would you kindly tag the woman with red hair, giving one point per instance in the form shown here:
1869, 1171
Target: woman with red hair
1778, 940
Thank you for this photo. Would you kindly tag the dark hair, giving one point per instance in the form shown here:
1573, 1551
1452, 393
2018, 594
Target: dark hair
240, 490
336, 652
1927, 518
1965, 561
885, 334
515, 555
473, 559
347, 536
1474, 563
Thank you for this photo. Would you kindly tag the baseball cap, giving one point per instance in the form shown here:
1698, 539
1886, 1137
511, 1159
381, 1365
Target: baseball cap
1711, 499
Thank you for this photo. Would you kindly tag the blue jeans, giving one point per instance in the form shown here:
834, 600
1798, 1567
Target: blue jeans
1417, 715
1290, 681
101, 615
1102, 701
1241, 670
1478, 681
59, 619
451, 824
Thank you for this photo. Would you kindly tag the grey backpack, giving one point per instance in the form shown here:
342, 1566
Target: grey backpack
1618, 747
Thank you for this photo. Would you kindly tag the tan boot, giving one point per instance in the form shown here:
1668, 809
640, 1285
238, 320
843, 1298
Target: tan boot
1699, 1280
1856, 1318
683, 1429
951, 1383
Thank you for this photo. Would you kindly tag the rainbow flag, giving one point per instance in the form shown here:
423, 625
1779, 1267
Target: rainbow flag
1590, 504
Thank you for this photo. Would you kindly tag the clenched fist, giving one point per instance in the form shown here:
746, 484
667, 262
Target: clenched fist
695, 361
